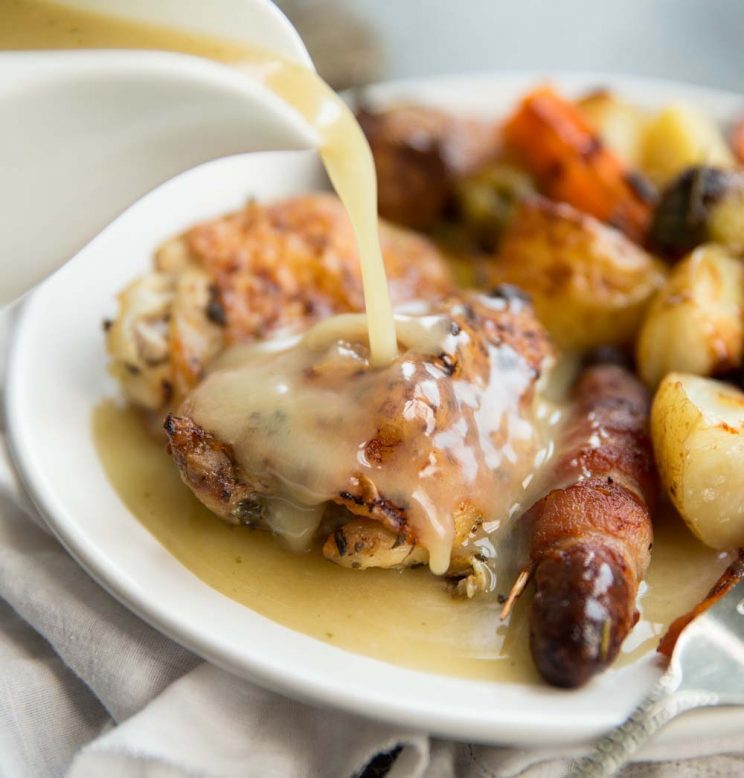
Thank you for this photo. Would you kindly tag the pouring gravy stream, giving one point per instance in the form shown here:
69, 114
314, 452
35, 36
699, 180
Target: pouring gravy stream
30, 24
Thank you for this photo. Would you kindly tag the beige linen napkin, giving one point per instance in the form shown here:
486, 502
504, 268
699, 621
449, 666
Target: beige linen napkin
88, 690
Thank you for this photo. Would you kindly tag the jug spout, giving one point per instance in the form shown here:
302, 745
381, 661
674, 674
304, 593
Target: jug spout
86, 133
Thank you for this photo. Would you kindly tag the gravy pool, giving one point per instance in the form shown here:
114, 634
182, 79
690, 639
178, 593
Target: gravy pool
408, 618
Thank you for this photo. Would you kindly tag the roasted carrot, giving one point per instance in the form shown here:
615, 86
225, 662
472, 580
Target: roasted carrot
730, 577
561, 149
737, 140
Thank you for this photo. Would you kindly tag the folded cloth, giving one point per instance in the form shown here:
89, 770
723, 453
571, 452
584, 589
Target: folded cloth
88, 690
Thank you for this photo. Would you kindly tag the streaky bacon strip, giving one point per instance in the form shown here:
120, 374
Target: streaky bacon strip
730, 577
590, 538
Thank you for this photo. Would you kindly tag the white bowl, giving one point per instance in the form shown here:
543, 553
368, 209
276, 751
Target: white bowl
57, 375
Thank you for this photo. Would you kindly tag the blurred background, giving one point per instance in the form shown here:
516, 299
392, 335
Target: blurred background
357, 41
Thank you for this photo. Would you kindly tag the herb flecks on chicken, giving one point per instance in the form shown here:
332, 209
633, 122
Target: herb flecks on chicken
420, 462
249, 275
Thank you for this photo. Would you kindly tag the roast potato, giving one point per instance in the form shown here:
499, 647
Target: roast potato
590, 285
694, 324
678, 137
697, 427
726, 222
621, 126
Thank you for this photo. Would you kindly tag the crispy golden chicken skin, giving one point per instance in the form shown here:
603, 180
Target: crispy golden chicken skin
249, 275
443, 436
420, 153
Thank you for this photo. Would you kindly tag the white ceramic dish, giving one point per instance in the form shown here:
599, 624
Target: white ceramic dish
57, 374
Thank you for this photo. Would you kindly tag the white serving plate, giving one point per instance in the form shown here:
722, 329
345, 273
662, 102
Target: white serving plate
57, 375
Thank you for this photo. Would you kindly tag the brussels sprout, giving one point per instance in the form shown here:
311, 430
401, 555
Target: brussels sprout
703, 204
487, 200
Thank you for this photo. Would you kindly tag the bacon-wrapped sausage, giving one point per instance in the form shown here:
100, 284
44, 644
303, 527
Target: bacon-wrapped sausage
590, 538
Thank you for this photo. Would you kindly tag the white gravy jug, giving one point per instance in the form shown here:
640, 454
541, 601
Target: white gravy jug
85, 133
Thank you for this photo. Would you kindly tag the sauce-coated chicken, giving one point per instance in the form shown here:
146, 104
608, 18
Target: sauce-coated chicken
249, 275
422, 461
